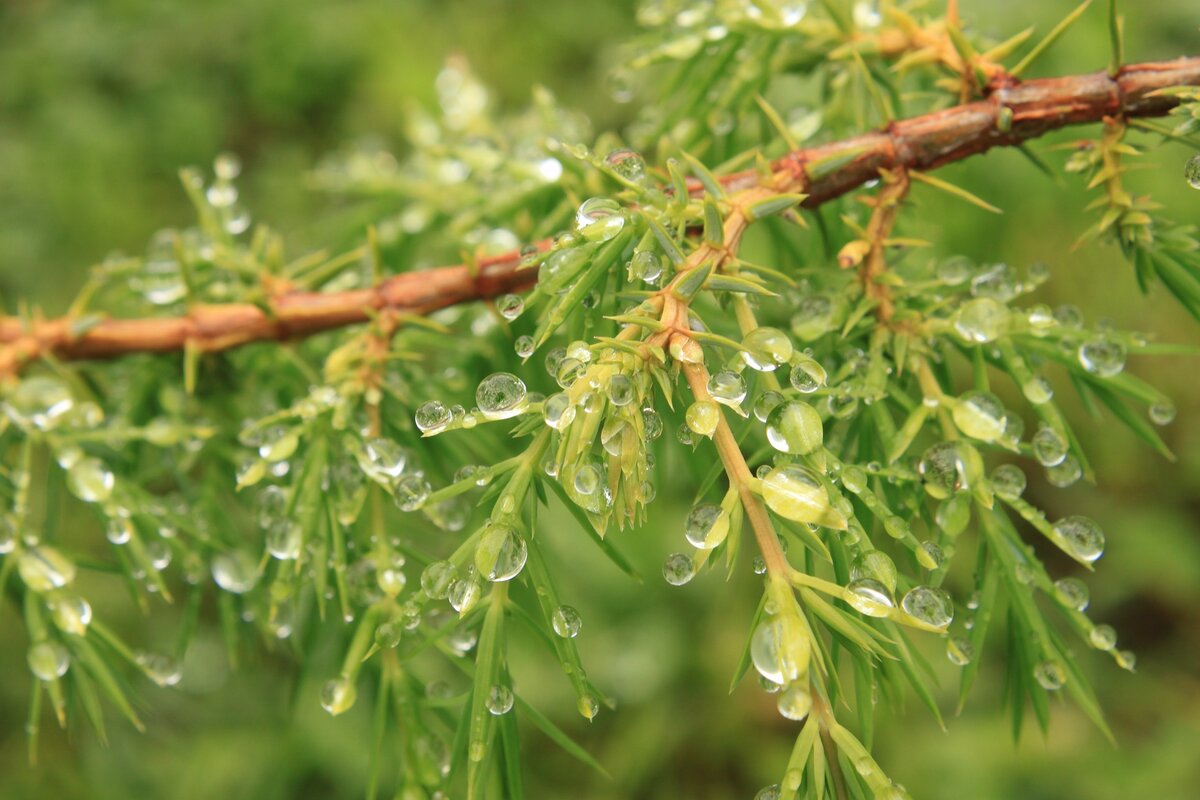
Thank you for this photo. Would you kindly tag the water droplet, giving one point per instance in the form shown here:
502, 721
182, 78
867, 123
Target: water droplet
432, 417
410, 492
391, 579
627, 163
1065, 473
39, 402
1126, 659
500, 700
766, 348
71, 614
90, 480
702, 417
727, 388
500, 395
1191, 171
1008, 481
869, 597
43, 568
1072, 593
510, 306
795, 427
779, 652
646, 265
979, 415
159, 667
235, 571
118, 530
706, 526
587, 480
792, 492
1103, 637
815, 316
560, 268
806, 375
524, 346
620, 390
48, 661
959, 651
980, 320
795, 701
765, 404
385, 458
501, 552
1162, 412
436, 579
338, 695
464, 593
389, 634
1081, 537
566, 622
599, 219
283, 540
943, 470
652, 424
558, 411
678, 569
1037, 390
1050, 674
930, 606
929, 554
1049, 446
1102, 356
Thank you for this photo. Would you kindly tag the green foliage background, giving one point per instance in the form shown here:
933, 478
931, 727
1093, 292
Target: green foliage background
101, 102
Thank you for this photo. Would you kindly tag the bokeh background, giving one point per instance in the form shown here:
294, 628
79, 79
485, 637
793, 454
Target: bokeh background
101, 102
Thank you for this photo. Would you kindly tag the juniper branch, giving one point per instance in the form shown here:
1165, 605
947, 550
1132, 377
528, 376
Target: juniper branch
1013, 112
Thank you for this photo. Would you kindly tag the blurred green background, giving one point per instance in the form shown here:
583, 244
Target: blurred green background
101, 102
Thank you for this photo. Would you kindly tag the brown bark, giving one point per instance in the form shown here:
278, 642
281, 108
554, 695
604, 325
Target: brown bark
1013, 112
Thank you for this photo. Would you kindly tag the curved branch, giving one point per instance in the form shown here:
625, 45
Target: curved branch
1013, 112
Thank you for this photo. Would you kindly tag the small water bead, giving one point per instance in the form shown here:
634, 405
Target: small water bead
1126, 659
1102, 356
652, 425
772, 792
510, 306
684, 434
955, 270
391, 578
1049, 446
557, 411
980, 320
464, 593
854, 479
1191, 171
599, 219
42, 568
706, 526
727, 388
40, 402
283, 540
979, 415
1037, 390
338, 695
959, 651
587, 479
501, 552
500, 395
1065, 473
702, 417
765, 404
499, 700
930, 606
620, 390
930, 555
523, 346
806, 375
48, 661
90, 480
646, 265
118, 530
678, 569
869, 597
71, 614
759, 566
942, 469
766, 348
235, 571
1072, 592
432, 417
389, 634
1050, 674
385, 458
1082, 537
627, 163
566, 622
795, 701
998, 281
1162, 412
1008, 481
816, 315
1103, 637
159, 667
411, 491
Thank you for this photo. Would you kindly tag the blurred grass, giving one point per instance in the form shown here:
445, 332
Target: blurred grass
101, 103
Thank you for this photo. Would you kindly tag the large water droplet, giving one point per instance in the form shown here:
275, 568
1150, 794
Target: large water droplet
706, 526
500, 395
795, 427
159, 667
510, 306
599, 219
702, 417
795, 701
678, 569
959, 651
566, 622
943, 470
48, 661
929, 606
766, 348
436, 579
779, 652
1103, 637
71, 613
499, 700
627, 163
501, 552
869, 597
1162, 412
1102, 356
646, 265
792, 492
39, 402
1081, 536
1050, 674
979, 415
620, 390
235, 571
1065, 473
1008, 481
432, 417
980, 320
283, 540
338, 695
43, 568
1072, 592
727, 388
90, 480
1191, 171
